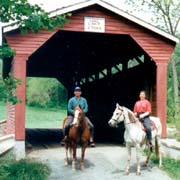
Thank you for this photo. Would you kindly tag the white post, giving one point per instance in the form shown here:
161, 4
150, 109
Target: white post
19, 150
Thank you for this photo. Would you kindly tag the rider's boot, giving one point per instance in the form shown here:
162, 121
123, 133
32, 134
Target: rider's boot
63, 141
92, 144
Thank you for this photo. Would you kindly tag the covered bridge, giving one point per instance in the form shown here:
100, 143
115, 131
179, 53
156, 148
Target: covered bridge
109, 53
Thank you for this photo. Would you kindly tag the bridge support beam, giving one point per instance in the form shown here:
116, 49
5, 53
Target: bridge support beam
19, 71
161, 95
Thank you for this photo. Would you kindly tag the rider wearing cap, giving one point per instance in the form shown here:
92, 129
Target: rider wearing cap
77, 100
142, 110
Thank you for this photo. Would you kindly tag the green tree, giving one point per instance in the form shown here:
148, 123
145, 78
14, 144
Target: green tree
45, 92
166, 15
27, 17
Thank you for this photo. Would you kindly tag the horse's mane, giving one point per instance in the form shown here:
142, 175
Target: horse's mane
130, 115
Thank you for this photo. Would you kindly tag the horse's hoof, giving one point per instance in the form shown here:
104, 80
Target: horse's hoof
138, 173
145, 164
65, 162
127, 173
82, 166
73, 166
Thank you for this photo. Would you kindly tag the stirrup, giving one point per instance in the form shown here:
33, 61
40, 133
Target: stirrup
92, 144
151, 146
63, 141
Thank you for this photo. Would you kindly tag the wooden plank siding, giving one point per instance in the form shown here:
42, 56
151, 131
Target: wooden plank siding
153, 100
29, 43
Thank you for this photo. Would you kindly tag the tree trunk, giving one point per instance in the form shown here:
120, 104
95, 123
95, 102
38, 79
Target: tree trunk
175, 83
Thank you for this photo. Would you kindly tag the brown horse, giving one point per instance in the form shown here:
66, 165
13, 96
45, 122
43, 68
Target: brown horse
78, 132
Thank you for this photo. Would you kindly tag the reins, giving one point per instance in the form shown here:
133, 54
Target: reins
130, 123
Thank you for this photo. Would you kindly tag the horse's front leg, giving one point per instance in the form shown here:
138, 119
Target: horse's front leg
138, 159
128, 146
74, 157
84, 145
66, 159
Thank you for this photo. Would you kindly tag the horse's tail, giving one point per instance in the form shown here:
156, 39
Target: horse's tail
156, 146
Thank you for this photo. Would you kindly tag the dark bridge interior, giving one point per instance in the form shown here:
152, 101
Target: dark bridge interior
109, 68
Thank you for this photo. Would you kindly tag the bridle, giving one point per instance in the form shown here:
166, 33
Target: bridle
122, 114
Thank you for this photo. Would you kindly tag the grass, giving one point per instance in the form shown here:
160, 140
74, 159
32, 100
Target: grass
171, 166
22, 170
45, 118
40, 117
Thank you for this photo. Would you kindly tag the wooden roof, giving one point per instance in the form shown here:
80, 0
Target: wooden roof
69, 6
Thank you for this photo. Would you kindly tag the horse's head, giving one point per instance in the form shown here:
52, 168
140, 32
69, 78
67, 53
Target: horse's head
118, 116
78, 116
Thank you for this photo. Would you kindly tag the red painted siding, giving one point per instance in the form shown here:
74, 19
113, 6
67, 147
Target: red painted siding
10, 120
27, 44
156, 46
19, 70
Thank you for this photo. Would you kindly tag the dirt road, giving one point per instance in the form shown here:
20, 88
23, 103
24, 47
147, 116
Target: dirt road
105, 162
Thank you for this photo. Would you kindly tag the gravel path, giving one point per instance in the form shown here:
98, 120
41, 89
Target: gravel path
105, 162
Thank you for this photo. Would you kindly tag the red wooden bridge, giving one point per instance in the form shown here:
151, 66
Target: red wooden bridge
108, 52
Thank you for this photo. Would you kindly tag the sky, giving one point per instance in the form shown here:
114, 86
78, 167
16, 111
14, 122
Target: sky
55, 4
146, 15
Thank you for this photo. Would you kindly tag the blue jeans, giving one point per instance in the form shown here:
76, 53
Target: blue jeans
69, 122
147, 124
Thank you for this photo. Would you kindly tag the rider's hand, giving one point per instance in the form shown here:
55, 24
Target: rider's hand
141, 116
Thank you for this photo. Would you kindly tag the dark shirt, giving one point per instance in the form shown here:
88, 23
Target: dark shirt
73, 102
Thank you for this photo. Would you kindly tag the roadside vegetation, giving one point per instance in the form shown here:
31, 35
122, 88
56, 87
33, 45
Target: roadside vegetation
170, 166
25, 169
46, 101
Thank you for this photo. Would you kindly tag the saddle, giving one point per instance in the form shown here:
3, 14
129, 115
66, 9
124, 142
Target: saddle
153, 126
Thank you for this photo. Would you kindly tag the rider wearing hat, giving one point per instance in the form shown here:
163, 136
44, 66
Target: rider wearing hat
142, 110
77, 100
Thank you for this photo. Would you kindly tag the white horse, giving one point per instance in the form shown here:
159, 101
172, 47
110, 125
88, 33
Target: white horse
135, 135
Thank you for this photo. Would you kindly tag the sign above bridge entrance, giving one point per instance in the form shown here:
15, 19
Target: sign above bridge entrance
93, 24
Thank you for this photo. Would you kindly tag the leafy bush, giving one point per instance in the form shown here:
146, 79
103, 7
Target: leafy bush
22, 170
26, 170
45, 92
